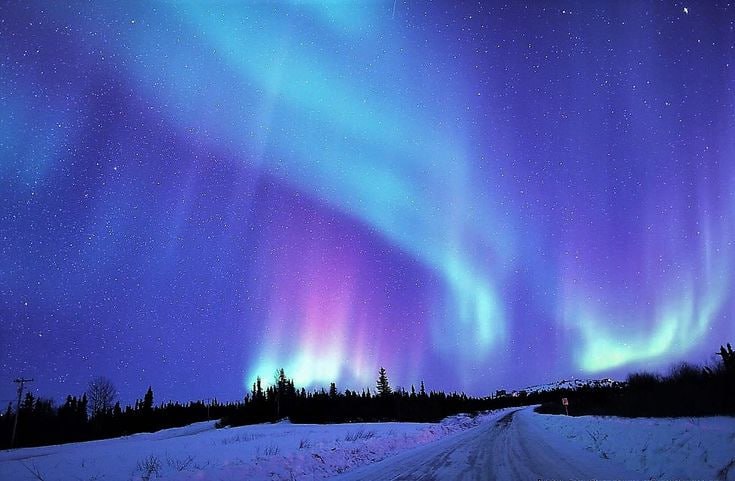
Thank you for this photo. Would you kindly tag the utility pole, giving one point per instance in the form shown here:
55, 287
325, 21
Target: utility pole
20, 382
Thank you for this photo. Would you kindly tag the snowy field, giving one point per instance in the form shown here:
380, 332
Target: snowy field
506, 445
656, 448
280, 451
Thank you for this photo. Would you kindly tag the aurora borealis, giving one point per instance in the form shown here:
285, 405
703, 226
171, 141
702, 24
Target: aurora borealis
476, 195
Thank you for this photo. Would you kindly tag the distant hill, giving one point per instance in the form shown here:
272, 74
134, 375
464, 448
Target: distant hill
571, 384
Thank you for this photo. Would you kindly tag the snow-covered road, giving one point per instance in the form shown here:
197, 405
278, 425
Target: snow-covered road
510, 448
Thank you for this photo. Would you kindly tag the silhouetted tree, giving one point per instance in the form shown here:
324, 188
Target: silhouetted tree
26, 406
382, 385
285, 391
728, 357
101, 394
148, 401
258, 390
82, 408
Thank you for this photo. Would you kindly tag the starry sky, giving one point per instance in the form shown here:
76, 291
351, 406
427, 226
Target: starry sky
473, 194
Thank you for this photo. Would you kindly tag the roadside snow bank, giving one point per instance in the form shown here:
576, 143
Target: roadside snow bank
657, 448
364, 444
281, 451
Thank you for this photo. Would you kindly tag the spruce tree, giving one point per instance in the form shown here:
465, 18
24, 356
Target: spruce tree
728, 357
281, 381
284, 388
148, 401
258, 394
382, 385
28, 402
82, 407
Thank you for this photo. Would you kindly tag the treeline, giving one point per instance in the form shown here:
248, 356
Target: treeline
283, 400
687, 390
42, 423
96, 415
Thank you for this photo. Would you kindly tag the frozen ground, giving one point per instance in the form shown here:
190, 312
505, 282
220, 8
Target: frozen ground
281, 451
663, 448
505, 445
523, 445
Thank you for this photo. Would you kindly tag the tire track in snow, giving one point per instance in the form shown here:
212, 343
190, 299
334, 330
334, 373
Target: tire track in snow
506, 449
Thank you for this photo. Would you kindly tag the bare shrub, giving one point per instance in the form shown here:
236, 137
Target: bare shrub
180, 464
361, 434
149, 467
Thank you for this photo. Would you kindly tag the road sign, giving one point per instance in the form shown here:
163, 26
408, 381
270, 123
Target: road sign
565, 401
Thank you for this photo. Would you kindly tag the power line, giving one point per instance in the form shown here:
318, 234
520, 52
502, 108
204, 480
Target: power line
21, 383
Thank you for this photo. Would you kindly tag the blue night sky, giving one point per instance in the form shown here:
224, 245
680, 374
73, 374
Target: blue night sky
477, 195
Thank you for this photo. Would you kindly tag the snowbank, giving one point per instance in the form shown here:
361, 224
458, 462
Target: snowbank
281, 451
666, 448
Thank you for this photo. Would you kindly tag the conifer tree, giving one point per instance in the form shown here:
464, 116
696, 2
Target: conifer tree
28, 403
258, 394
82, 407
284, 389
382, 385
728, 357
148, 401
